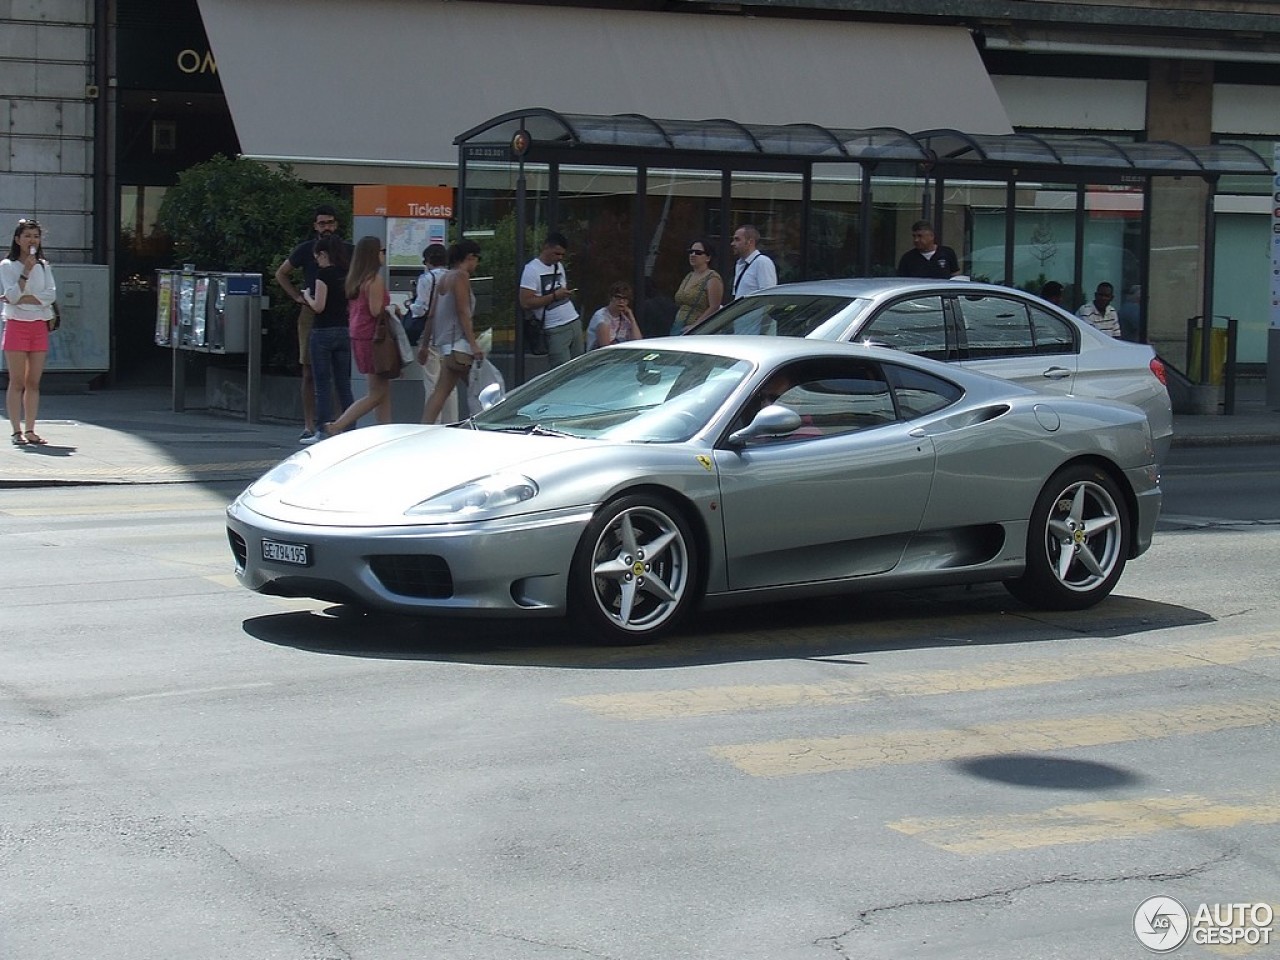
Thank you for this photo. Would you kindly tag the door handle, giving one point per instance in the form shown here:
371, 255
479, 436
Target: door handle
1056, 373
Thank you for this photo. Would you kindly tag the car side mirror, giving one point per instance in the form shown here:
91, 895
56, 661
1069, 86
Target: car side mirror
490, 395
774, 420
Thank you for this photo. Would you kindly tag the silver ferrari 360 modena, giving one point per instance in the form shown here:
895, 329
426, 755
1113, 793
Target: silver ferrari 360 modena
639, 481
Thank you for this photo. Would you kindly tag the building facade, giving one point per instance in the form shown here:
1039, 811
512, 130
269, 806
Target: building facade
108, 99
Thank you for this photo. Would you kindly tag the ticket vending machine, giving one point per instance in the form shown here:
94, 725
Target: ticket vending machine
406, 219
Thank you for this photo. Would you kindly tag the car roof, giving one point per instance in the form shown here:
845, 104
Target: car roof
873, 287
880, 288
769, 351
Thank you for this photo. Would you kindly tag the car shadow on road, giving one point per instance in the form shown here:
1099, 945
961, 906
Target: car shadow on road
837, 629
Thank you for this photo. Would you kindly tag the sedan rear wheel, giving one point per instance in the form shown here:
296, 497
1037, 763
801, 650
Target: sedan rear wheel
1077, 543
635, 572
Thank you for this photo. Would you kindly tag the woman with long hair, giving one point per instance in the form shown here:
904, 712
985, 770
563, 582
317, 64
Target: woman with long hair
330, 338
27, 291
452, 332
367, 296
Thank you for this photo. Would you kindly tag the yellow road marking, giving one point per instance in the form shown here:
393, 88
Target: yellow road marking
710, 701
1087, 823
805, 755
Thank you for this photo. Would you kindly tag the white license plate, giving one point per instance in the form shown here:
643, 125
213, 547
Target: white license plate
297, 553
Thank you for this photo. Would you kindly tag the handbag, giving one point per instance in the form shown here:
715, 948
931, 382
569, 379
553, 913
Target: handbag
387, 360
459, 358
535, 334
55, 321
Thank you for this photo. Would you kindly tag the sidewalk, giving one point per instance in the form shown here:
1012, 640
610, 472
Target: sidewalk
132, 436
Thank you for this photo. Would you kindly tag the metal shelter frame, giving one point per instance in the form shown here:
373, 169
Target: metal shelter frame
635, 142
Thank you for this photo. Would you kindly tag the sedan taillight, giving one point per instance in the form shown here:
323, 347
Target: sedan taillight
1157, 367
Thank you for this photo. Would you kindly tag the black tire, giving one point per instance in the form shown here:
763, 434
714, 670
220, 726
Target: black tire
635, 572
1078, 541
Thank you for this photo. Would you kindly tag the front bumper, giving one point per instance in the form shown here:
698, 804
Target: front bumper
485, 568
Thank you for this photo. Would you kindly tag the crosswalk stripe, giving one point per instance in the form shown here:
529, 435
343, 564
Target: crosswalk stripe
710, 701
808, 755
1087, 823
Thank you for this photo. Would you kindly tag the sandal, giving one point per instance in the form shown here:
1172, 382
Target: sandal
18, 439
35, 439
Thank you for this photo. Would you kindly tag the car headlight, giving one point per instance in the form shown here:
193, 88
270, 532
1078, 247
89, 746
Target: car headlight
280, 474
478, 496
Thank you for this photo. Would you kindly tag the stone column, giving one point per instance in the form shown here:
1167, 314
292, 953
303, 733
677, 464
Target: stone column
1179, 108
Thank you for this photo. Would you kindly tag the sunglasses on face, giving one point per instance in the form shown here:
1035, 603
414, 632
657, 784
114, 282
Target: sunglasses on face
326, 223
700, 253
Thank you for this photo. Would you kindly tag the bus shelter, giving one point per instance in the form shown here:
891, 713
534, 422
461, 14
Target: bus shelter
631, 191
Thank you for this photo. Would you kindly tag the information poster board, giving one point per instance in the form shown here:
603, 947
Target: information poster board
407, 237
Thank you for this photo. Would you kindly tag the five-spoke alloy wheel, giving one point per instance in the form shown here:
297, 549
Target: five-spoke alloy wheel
635, 573
1077, 543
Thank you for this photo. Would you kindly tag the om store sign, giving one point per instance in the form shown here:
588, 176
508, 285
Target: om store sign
434, 203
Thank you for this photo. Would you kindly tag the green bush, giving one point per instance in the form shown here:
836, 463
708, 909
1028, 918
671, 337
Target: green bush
243, 215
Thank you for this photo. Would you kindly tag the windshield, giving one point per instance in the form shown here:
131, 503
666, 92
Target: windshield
640, 396
784, 315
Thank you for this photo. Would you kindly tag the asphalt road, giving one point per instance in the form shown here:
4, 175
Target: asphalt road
1223, 483
195, 771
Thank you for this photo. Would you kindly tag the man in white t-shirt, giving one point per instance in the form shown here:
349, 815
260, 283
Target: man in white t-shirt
753, 271
545, 291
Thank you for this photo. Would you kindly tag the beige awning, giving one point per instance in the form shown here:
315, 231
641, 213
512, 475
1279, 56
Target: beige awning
392, 82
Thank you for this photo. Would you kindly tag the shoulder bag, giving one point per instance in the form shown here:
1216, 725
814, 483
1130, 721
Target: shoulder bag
387, 360
55, 321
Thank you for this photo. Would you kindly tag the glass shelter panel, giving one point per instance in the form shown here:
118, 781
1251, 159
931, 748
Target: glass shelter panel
490, 219
900, 197
772, 204
681, 207
835, 222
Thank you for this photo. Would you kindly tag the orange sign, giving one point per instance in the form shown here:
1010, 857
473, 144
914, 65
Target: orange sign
434, 203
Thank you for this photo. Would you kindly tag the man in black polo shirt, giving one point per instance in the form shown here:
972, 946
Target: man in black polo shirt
302, 258
926, 259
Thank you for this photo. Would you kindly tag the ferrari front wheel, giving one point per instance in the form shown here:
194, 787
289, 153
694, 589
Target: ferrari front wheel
635, 572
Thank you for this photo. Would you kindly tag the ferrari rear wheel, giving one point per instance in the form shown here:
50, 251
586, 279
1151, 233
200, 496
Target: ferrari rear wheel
1077, 543
635, 572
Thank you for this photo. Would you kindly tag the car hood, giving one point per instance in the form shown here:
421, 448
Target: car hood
388, 476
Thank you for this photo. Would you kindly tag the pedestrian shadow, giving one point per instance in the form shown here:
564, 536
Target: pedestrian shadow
837, 629
48, 450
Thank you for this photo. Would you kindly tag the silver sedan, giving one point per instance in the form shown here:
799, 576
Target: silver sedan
998, 330
639, 481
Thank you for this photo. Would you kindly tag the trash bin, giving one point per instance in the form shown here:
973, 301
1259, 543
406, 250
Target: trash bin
1217, 356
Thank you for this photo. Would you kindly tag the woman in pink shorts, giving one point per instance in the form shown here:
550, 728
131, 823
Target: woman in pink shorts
367, 297
27, 292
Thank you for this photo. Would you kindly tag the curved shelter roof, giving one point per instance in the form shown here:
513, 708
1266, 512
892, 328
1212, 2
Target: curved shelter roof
636, 138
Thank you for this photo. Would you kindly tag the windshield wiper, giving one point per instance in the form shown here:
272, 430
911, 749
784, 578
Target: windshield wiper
536, 430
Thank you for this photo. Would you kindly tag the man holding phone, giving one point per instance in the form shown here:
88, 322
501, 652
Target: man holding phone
544, 289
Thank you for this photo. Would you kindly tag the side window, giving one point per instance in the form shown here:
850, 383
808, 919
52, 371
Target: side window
918, 393
832, 398
1052, 333
995, 327
917, 326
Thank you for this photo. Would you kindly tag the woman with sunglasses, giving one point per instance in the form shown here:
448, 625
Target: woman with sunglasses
700, 291
27, 291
